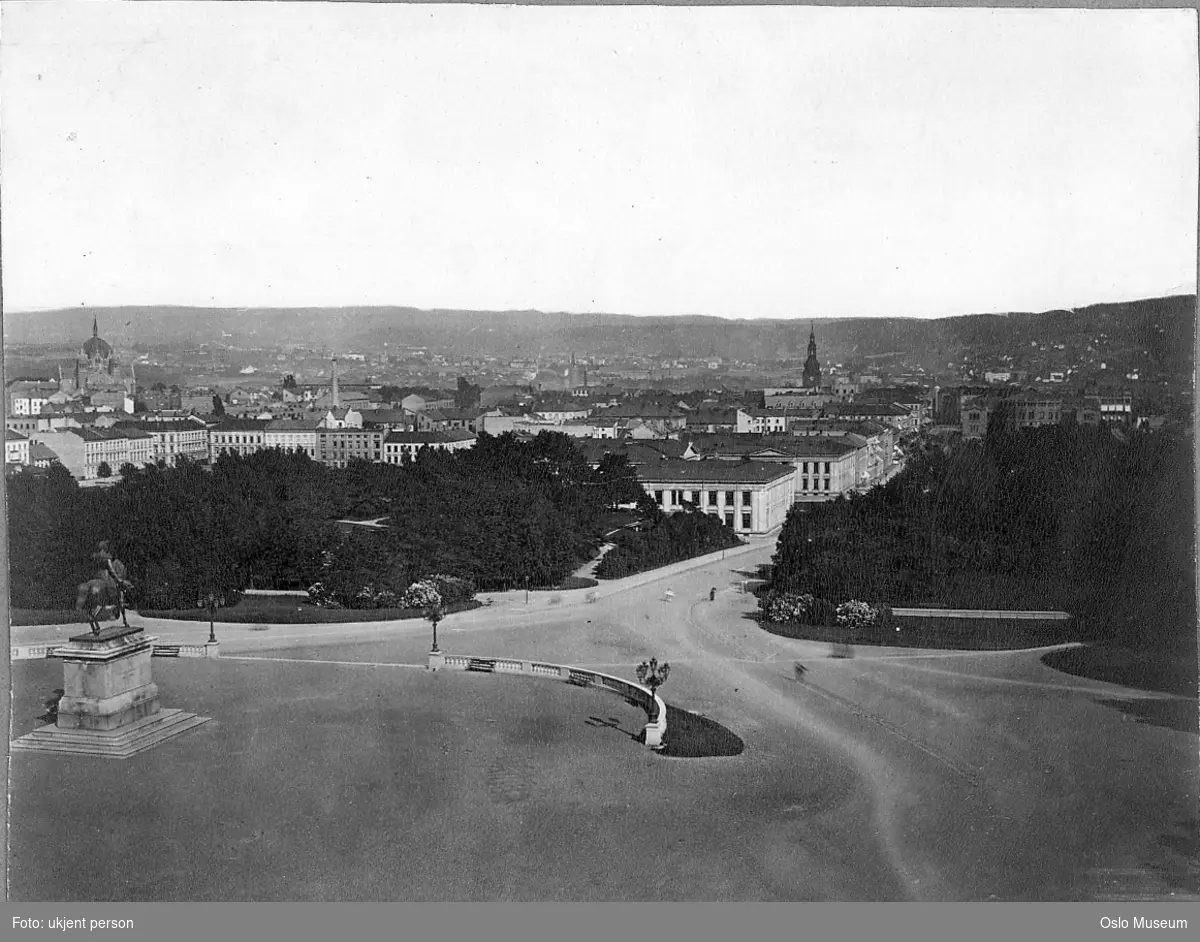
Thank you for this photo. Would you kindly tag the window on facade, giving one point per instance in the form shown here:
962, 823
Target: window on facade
712, 498
804, 484
745, 498
745, 521
658, 497
729, 521
826, 467
729, 499
827, 484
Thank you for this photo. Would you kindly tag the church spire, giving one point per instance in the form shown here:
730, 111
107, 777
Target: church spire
812, 366
95, 327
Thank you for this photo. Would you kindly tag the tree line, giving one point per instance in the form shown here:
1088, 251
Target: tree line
1048, 518
497, 515
662, 539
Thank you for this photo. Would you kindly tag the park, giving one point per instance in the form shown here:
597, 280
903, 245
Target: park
336, 766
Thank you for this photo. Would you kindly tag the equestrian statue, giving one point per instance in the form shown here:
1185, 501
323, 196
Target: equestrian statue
105, 592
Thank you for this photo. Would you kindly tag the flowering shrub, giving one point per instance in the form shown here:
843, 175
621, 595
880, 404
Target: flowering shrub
452, 589
423, 594
855, 614
785, 607
323, 596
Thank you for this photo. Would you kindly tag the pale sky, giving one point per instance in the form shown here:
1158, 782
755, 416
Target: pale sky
739, 162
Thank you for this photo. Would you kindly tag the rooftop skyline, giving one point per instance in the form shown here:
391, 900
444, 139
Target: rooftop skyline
738, 162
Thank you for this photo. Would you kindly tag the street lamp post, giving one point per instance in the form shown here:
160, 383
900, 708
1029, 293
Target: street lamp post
434, 612
209, 602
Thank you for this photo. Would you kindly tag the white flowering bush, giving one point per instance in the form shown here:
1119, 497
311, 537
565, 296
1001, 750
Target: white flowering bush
422, 595
785, 607
857, 615
323, 596
452, 589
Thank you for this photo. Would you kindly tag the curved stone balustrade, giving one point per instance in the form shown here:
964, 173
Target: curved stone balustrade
656, 710
28, 652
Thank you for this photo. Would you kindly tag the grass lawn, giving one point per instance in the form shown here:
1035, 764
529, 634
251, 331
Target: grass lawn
966, 634
292, 610
333, 782
1144, 670
47, 616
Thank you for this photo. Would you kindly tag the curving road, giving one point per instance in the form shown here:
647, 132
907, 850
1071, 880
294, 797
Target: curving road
895, 774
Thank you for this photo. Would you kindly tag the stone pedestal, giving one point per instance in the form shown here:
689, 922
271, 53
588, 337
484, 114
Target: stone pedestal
106, 679
109, 706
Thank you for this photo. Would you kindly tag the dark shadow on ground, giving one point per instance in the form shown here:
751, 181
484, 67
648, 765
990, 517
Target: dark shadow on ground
1181, 715
691, 736
1129, 668
610, 723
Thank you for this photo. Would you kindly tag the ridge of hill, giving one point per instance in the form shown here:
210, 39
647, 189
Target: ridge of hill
1163, 327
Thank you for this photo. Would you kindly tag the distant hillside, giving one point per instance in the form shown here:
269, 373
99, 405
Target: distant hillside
1165, 327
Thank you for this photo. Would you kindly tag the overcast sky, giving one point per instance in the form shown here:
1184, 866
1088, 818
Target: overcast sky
779, 162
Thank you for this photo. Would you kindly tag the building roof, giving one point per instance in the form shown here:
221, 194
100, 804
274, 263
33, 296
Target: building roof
11, 435
560, 407
645, 451
93, 434
429, 438
150, 425
241, 425
41, 452
459, 415
634, 410
390, 416
713, 472
351, 430
791, 446
867, 408
293, 425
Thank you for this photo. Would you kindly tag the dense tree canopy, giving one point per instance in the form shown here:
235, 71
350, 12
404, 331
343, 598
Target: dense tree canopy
502, 514
1070, 518
669, 538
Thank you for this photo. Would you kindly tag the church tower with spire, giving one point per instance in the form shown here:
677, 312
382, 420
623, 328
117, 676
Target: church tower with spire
812, 366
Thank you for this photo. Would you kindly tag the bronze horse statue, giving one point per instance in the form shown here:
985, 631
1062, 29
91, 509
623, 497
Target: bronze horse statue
106, 590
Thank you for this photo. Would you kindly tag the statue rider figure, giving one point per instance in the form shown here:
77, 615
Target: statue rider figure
113, 573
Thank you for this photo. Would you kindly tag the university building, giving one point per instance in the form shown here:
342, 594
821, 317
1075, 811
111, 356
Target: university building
751, 498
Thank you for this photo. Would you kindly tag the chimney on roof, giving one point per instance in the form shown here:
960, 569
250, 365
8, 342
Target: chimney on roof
336, 401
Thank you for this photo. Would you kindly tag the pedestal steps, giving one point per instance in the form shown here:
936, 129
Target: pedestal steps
122, 743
